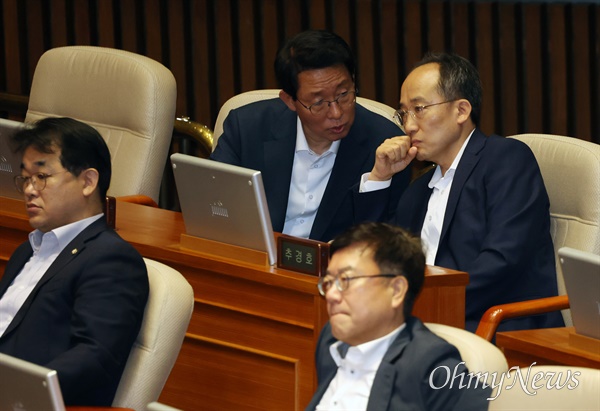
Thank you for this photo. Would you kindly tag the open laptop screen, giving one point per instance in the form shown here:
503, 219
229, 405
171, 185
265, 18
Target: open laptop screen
28, 387
224, 203
581, 272
10, 163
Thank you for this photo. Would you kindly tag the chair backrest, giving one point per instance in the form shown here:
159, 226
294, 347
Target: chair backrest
478, 354
166, 319
571, 171
257, 95
580, 389
130, 99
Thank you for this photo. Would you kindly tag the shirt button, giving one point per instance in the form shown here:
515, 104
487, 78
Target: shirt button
310, 197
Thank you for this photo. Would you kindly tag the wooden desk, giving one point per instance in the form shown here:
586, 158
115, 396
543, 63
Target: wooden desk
250, 344
547, 346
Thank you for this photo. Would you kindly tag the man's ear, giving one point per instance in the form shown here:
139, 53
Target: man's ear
400, 288
90, 179
288, 100
464, 110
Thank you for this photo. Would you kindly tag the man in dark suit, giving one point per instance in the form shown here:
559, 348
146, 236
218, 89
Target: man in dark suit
373, 355
313, 143
72, 298
483, 209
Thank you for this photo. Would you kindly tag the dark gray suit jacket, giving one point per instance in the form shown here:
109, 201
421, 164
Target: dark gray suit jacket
402, 380
262, 136
83, 316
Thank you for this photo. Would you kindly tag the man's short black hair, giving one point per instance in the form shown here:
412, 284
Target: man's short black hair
81, 146
395, 251
310, 50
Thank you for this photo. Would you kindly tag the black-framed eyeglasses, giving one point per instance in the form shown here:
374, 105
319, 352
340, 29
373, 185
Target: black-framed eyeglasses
37, 181
345, 99
417, 113
342, 281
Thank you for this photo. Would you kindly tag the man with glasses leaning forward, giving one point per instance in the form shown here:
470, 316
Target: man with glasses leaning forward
72, 298
314, 142
372, 354
484, 208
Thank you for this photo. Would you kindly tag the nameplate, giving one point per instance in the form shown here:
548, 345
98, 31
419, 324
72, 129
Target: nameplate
110, 212
233, 252
302, 255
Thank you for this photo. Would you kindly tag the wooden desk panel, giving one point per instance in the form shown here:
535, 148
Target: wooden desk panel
251, 340
549, 346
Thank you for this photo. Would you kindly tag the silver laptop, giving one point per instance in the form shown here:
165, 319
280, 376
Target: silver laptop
224, 203
581, 271
28, 387
10, 163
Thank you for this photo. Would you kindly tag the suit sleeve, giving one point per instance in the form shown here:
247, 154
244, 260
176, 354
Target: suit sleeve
448, 385
229, 146
516, 230
108, 307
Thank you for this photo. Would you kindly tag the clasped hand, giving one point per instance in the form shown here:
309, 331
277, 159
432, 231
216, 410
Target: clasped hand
391, 157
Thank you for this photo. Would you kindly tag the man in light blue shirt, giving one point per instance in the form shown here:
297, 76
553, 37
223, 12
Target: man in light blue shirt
312, 143
72, 298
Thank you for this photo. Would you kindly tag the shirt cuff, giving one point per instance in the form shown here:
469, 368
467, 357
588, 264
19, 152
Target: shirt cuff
367, 185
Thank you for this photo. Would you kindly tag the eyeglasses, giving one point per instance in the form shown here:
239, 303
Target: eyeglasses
345, 99
417, 113
342, 281
38, 181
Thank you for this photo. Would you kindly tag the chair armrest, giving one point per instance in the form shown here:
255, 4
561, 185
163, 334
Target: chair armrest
138, 199
495, 315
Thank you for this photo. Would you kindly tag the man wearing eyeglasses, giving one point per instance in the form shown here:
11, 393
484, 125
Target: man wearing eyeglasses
314, 142
372, 354
72, 298
483, 209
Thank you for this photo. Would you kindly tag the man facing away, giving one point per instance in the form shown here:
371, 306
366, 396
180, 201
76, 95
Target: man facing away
484, 208
373, 355
314, 142
72, 298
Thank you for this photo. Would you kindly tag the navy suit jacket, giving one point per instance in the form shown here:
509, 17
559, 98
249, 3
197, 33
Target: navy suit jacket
83, 316
262, 136
402, 381
496, 228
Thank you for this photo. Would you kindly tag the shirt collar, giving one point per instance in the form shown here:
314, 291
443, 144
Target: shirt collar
437, 174
367, 355
302, 144
64, 234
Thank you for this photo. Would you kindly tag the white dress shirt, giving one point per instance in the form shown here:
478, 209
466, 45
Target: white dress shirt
436, 208
46, 247
350, 388
310, 175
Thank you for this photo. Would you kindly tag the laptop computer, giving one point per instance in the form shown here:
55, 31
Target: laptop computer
581, 272
10, 163
28, 387
224, 203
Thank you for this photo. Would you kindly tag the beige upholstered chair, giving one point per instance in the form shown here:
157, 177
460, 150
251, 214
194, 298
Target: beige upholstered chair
478, 354
257, 95
571, 171
581, 391
155, 351
130, 99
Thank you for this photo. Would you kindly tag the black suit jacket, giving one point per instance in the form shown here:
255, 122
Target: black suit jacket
83, 316
402, 381
496, 228
262, 136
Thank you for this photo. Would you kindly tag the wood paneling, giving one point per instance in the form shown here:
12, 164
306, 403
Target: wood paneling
538, 60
